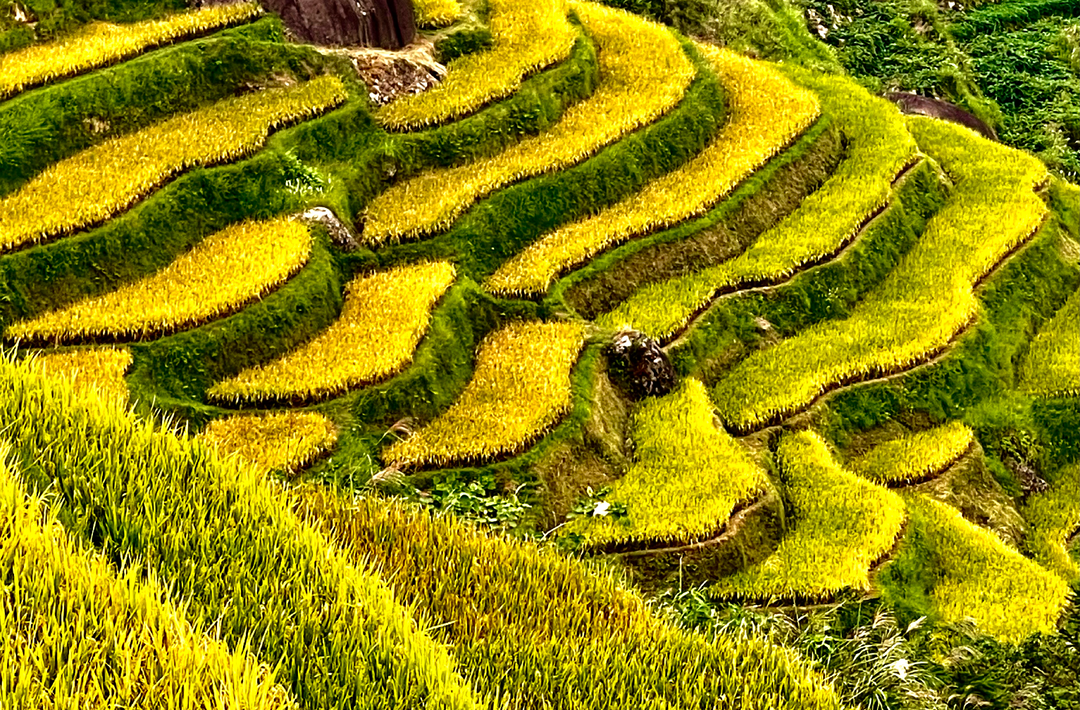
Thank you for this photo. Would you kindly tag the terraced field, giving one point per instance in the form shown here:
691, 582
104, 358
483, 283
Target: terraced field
217, 396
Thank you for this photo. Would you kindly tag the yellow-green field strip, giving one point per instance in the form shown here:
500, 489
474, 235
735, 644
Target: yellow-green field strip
979, 577
97, 372
384, 317
767, 113
922, 304
433, 14
915, 457
687, 478
879, 147
842, 525
1052, 517
100, 182
280, 441
528, 36
1052, 367
520, 388
644, 72
219, 275
102, 43
76, 633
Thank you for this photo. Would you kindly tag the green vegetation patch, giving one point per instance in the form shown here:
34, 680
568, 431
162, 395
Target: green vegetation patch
1052, 368
1052, 518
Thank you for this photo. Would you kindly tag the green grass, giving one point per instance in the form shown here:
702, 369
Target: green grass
841, 524
1052, 367
687, 478
912, 457
1052, 517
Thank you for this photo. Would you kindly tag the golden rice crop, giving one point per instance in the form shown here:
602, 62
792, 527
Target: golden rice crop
101, 181
687, 478
280, 441
432, 14
1052, 517
923, 302
982, 578
102, 43
384, 317
644, 72
879, 146
91, 371
767, 113
219, 275
842, 525
77, 633
915, 456
1052, 367
527, 36
520, 388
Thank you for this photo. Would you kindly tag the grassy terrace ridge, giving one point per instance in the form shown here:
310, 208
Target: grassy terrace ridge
220, 536
528, 36
879, 147
384, 317
644, 72
219, 275
769, 113
1051, 368
102, 43
913, 457
923, 303
1052, 517
841, 525
96, 184
687, 477
78, 634
520, 388
280, 441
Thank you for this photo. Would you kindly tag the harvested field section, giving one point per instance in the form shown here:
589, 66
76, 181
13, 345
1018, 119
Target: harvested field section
384, 317
644, 72
528, 36
915, 456
1052, 367
687, 479
879, 147
923, 303
767, 113
96, 184
842, 525
97, 372
103, 43
280, 441
521, 388
219, 275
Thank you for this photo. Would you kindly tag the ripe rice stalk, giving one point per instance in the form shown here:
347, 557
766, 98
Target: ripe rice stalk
93, 372
879, 146
102, 43
219, 275
100, 182
687, 478
923, 302
384, 317
915, 456
280, 441
644, 73
520, 388
433, 14
1052, 367
74, 632
979, 577
842, 525
528, 36
1052, 517
767, 113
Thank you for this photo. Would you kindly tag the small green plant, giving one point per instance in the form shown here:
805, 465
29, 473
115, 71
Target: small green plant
473, 501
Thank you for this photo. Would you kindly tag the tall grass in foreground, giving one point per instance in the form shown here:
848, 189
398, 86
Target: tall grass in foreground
687, 478
94, 372
879, 146
1052, 517
102, 43
643, 73
767, 113
220, 536
101, 181
922, 304
520, 388
76, 634
912, 457
279, 441
535, 630
219, 275
841, 525
527, 36
1052, 367
384, 317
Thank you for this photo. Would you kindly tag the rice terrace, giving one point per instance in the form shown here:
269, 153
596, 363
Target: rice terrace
540, 354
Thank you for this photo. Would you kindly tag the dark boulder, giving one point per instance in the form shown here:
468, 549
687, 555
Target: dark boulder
638, 367
388, 24
916, 105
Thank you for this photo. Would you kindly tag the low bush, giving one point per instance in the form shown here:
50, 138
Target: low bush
913, 457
